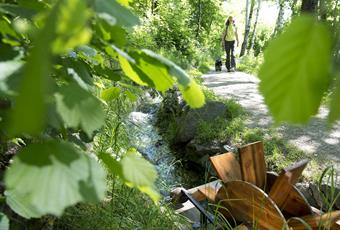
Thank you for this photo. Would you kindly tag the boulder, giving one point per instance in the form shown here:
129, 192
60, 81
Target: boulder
200, 150
199, 153
306, 192
318, 197
188, 122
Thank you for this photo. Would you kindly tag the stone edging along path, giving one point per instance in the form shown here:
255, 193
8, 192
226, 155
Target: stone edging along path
315, 138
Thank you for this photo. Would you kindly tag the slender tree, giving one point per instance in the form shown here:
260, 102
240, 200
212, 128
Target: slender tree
248, 23
293, 7
253, 34
279, 20
154, 5
199, 18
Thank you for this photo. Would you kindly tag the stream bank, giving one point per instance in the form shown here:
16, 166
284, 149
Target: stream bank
145, 136
181, 148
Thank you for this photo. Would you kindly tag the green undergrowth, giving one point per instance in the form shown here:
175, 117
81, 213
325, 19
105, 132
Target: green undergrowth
233, 131
250, 64
278, 152
124, 208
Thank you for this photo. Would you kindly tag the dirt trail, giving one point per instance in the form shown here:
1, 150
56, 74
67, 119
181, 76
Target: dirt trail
315, 138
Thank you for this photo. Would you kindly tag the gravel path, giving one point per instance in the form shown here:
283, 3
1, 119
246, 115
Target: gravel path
315, 138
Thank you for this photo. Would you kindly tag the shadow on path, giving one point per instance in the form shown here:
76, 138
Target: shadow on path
314, 138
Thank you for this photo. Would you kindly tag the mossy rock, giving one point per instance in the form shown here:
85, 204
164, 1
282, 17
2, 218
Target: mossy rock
189, 121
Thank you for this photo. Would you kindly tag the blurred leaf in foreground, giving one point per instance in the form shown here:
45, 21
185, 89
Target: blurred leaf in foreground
114, 13
296, 69
29, 112
46, 178
79, 108
134, 170
4, 222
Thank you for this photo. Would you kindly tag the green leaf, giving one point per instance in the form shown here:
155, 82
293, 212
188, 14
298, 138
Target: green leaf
79, 72
124, 2
295, 73
193, 94
151, 192
6, 29
114, 13
46, 178
15, 10
137, 170
112, 165
34, 82
334, 113
35, 5
134, 170
115, 34
132, 97
54, 119
147, 68
110, 93
151, 64
4, 222
21, 204
10, 42
154, 69
72, 30
106, 73
133, 72
77, 107
174, 70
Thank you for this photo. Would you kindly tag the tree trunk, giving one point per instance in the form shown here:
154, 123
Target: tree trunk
199, 18
323, 10
154, 5
253, 35
279, 21
247, 30
293, 7
335, 25
309, 6
334, 15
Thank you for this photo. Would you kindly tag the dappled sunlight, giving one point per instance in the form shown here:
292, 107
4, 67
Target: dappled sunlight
332, 141
315, 138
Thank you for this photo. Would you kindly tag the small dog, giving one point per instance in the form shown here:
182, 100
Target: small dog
218, 65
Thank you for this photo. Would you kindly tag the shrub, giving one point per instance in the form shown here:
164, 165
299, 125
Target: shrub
250, 64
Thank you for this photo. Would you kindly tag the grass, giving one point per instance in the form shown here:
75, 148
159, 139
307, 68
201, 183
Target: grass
232, 129
250, 64
125, 208
278, 152
328, 176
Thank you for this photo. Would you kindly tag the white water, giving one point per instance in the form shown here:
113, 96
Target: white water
145, 138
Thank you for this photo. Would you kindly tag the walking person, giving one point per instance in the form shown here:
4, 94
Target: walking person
228, 41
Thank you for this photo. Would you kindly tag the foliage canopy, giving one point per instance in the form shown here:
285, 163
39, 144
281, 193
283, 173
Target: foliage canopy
63, 61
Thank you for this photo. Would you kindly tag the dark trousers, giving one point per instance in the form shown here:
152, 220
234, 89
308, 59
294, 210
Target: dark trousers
229, 48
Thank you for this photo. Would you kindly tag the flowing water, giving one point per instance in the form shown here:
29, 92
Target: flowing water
145, 137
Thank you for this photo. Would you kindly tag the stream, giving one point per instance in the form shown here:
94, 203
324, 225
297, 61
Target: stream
145, 137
